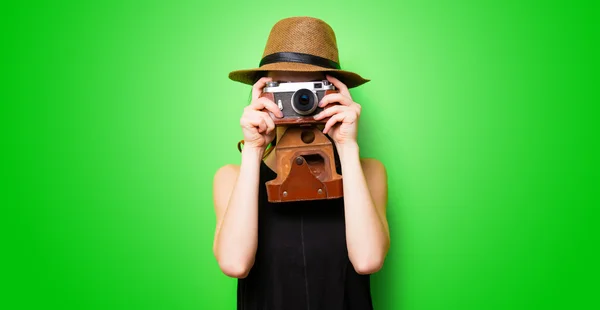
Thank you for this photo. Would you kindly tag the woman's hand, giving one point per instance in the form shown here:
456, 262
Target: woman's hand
342, 127
257, 125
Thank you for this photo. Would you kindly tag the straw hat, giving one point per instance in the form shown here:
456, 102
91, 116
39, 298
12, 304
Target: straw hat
301, 44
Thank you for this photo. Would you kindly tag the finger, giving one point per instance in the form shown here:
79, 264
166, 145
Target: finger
255, 121
269, 122
262, 125
337, 97
249, 125
258, 86
265, 103
332, 121
330, 111
339, 85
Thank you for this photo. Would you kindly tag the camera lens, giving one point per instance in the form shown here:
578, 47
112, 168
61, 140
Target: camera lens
304, 102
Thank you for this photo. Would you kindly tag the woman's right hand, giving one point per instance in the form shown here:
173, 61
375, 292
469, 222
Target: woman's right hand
257, 125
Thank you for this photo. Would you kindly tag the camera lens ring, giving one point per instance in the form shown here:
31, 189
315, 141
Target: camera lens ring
314, 106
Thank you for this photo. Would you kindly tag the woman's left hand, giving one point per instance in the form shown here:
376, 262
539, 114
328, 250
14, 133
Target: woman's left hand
342, 127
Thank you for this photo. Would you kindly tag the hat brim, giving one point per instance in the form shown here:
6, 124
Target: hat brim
250, 76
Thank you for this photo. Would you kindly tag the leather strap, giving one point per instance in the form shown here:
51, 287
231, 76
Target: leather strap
299, 58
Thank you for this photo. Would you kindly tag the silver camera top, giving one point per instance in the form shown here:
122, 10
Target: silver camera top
277, 87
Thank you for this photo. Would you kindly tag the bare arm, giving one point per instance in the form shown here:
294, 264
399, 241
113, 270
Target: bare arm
365, 198
235, 190
236, 206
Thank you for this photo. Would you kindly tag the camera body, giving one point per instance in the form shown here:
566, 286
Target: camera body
299, 101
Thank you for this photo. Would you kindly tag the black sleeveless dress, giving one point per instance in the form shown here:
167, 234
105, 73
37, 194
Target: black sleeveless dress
302, 260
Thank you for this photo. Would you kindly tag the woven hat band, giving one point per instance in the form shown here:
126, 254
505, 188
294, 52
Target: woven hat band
299, 58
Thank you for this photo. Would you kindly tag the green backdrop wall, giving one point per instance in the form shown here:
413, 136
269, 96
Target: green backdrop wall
118, 114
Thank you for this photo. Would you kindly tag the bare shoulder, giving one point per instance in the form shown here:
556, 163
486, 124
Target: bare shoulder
226, 172
376, 177
372, 166
223, 183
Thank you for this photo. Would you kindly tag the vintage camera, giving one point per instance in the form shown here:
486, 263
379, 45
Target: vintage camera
299, 101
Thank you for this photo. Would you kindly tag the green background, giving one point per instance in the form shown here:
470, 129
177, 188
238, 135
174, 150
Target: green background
116, 115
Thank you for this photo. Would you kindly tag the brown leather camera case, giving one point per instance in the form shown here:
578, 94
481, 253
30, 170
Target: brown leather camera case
305, 167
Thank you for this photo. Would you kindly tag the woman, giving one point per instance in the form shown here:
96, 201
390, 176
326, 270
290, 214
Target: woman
301, 255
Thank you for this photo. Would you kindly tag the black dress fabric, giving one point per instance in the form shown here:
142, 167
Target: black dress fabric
302, 260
